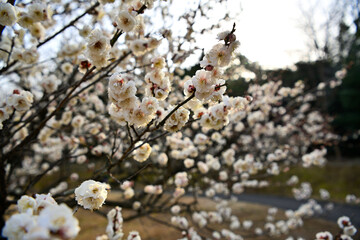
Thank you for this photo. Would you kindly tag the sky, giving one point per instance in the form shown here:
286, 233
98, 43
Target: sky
270, 31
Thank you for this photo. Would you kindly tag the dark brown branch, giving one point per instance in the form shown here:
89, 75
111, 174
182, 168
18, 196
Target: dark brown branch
30, 66
174, 110
11, 49
133, 128
141, 10
69, 24
129, 132
116, 36
136, 173
4, 69
1, 49
157, 137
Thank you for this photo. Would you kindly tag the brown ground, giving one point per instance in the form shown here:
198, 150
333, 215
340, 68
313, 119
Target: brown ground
93, 224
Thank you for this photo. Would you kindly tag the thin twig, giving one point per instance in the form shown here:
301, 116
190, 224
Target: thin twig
11, 49
108, 68
43, 123
136, 173
133, 128
1, 49
116, 36
129, 132
142, 9
174, 110
69, 24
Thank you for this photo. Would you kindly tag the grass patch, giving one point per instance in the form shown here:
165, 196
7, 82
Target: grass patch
338, 178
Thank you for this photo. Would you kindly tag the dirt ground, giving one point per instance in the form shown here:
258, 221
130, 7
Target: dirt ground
93, 224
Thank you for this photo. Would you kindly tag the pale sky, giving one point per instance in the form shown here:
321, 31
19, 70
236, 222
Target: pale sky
269, 30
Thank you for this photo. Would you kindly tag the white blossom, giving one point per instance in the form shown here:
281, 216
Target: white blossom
125, 21
91, 194
8, 15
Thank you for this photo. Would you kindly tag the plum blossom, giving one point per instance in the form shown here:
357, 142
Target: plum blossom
18, 225
91, 194
8, 14
114, 227
59, 220
125, 21
142, 153
21, 100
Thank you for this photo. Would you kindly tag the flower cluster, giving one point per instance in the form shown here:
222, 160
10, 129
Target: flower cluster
304, 192
141, 46
181, 179
207, 83
324, 235
98, 47
157, 81
91, 194
41, 218
346, 226
114, 228
143, 152
180, 222
128, 190
19, 100
218, 115
316, 158
153, 189
177, 120
125, 105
